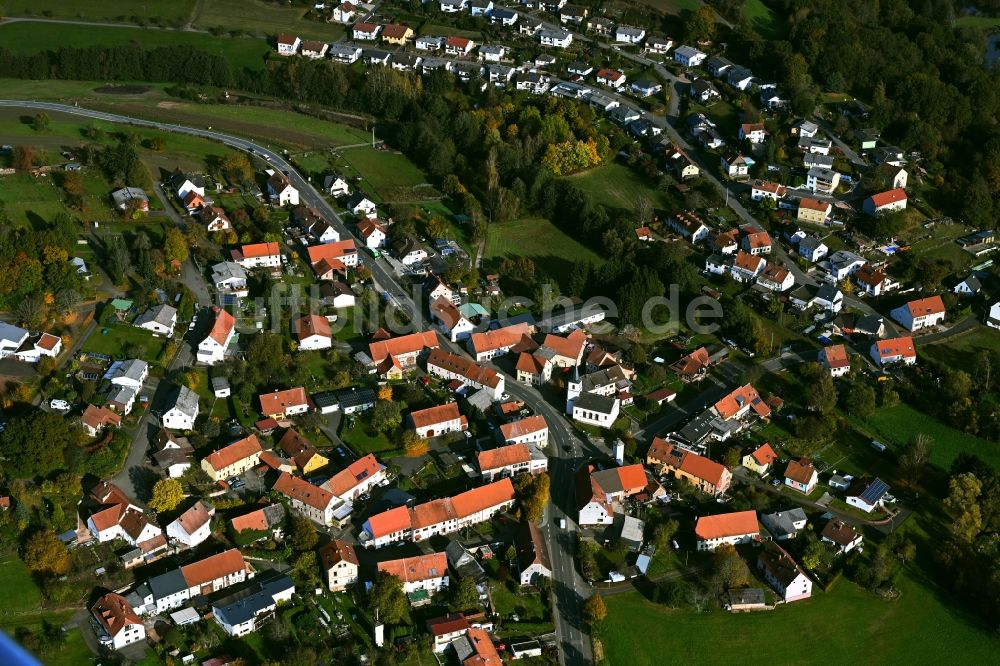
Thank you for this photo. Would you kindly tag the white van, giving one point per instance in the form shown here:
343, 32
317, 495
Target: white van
878, 446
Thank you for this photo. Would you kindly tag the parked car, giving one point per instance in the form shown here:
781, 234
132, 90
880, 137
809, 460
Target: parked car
60, 405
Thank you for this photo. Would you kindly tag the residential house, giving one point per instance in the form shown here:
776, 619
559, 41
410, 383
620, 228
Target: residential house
215, 219
645, 88
183, 410
357, 479
94, 419
784, 525
733, 529
773, 99
688, 56
841, 537
783, 573
815, 145
372, 232
243, 612
233, 459
173, 454
160, 319
844, 263
611, 77
313, 332
716, 65
557, 38
130, 198
756, 241
573, 14
529, 430
422, 576
492, 52
173, 588
400, 35
885, 202
118, 622
970, 286
805, 129
688, 225
801, 475
812, 249
776, 277
310, 220
530, 26
822, 180
703, 91
736, 165
280, 190
503, 16
345, 54
315, 503
746, 267
491, 344
230, 279
288, 45
193, 526
753, 132
532, 554
302, 452
193, 202
453, 6
264, 521
335, 185
629, 35
509, 461
450, 366
724, 242
867, 494
184, 183
283, 404
834, 358
704, 474
344, 12
340, 564
993, 316
395, 355
408, 251
212, 349
739, 77
678, 161
534, 82
893, 350
453, 323
895, 176
810, 160
891, 155
693, 366
458, 46
112, 515
440, 420
765, 189
813, 211
314, 50
429, 43
258, 255
920, 314
760, 459
365, 32
331, 260
659, 45
599, 493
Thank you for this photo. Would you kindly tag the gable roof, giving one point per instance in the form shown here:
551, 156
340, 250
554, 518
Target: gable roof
395, 31
888, 197
891, 347
570, 346
234, 452
500, 338
800, 471
97, 417
464, 367
523, 427
214, 567
926, 306
503, 456
446, 312
839, 532
404, 344
257, 250
295, 488
279, 401
747, 261
628, 479
836, 356
729, 405
337, 551
260, 520
347, 479
389, 522
764, 454
434, 415
115, 613
196, 517
688, 462
311, 325
415, 569
813, 204
223, 326
726, 525
475, 500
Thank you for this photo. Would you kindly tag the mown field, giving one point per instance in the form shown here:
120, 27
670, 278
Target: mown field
116, 11
616, 186
846, 625
264, 18
553, 251
248, 52
389, 175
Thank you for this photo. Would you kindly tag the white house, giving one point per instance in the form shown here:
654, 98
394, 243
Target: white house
313, 332
783, 574
993, 316
727, 528
841, 536
215, 219
893, 350
822, 180
558, 38
193, 526
452, 322
801, 475
365, 32
765, 189
119, 623
439, 420
183, 410
776, 277
736, 165
597, 410
628, 35
159, 319
812, 249
361, 205
922, 313
372, 232
885, 202
511, 460
131, 373
753, 132
529, 430
244, 611
314, 502
287, 45
867, 494
280, 190
834, 358
689, 226
688, 56
230, 278
344, 12
257, 255
424, 573
213, 348
313, 49
335, 185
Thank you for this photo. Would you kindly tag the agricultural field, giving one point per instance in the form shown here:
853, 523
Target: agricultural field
554, 252
175, 12
916, 628
617, 186
264, 19
248, 52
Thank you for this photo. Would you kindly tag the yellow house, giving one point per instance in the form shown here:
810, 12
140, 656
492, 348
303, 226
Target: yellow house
234, 459
302, 452
397, 34
813, 211
760, 461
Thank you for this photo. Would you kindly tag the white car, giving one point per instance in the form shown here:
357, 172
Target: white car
60, 405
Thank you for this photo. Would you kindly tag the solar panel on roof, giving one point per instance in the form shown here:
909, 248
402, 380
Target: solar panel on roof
875, 490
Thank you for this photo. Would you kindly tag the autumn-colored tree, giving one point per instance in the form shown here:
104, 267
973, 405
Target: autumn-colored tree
303, 533
192, 379
175, 245
73, 186
436, 227
594, 610
44, 553
157, 144
40, 122
237, 168
24, 158
167, 495
413, 444
385, 392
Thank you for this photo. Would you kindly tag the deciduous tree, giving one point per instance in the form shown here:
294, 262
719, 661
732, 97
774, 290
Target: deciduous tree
44, 553
594, 610
167, 495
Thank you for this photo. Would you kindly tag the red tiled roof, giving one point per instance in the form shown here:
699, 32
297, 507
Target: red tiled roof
434, 415
256, 250
286, 39
98, 417
759, 239
449, 624
389, 522
492, 494
800, 471
368, 226
331, 251
345, 480
195, 518
926, 306
115, 613
414, 569
279, 401
609, 74
404, 344
697, 466
728, 406
255, 520
299, 489
365, 27
460, 42
889, 197
775, 273
310, 325
726, 525
764, 455
505, 337
214, 567
571, 346
337, 551
892, 347
523, 427
503, 456
223, 326
870, 275
395, 31
446, 311
643, 232
48, 341
836, 356
485, 652
768, 186
463, 366
747, 261
812, 204
692, 363
234, 452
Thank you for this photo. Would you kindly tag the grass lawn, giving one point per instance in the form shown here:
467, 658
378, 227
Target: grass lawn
28, 201
363, 439
119, 337
20, 592
386, 173
175, 11
855, 626
896, 426
617, 186
263, 18
672, 6
34, 37
982, 22
762, 19
529, 609
960, 351
553, 251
